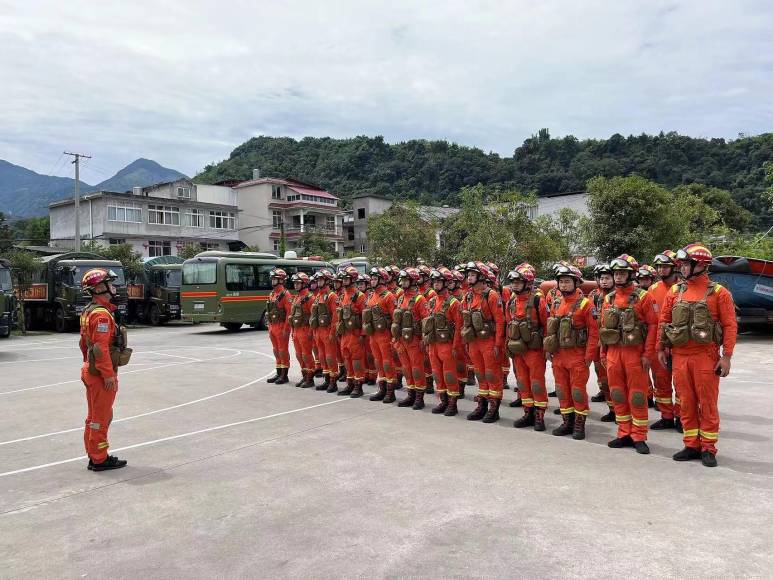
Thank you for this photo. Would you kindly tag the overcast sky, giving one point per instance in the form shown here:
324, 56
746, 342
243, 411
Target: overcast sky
183, 82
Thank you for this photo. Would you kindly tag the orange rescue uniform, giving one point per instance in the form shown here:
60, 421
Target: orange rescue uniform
279, 332
486, 362
530, 366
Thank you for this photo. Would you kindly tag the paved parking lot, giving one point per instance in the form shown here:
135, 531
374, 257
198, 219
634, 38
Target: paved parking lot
229, 476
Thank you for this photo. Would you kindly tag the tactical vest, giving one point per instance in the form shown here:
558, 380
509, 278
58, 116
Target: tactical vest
320, 313
692, 321
120, 353
403, 324
560, 332
524, 333
436, 328
621, 325
275, 313
475, 323
374, 319
298, 316
347, 318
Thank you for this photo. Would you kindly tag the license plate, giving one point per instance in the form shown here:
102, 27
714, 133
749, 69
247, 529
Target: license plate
174, 307
198, 306
122, 308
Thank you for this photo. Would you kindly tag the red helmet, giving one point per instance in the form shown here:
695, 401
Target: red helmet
624, 262
363, 278
324, 276
96, 276
646, 270
382, 275
562, 271
424, 270
527, 272
300, 277
278, 273
411, 273
458, 276
493, 267
695, 252
350, 272
665, 258
394, 270
441, 273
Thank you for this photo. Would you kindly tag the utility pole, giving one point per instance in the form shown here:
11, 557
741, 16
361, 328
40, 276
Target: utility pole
77, 163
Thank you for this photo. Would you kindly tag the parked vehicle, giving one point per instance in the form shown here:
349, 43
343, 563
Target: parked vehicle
750, 281
232, 288
360, 262
7, 300
154, 298
56, 299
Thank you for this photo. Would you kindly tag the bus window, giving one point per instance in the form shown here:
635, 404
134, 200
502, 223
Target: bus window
264, 280
240, 277
199, 272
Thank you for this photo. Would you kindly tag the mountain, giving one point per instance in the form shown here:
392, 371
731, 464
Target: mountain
433, 172
24, 193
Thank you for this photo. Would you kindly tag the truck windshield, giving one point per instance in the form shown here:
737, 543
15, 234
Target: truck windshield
5, 280
199, 272
79, 271
174, 278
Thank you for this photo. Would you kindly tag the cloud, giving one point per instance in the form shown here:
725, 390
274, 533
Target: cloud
184, 82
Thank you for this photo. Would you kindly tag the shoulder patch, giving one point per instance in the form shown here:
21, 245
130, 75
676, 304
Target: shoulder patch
103, 327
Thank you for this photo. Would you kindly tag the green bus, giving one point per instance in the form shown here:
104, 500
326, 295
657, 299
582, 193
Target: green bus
232, 288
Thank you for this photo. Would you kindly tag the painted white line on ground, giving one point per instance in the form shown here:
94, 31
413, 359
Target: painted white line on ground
32, 360
122, 419
180, 436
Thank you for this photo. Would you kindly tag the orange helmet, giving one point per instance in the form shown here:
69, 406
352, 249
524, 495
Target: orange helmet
97, 276
278, 273
694, 252
411, 273
624, 262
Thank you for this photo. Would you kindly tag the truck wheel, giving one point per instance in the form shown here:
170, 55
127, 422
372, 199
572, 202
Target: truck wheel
60, 321
232, 326
154, 315
6, 332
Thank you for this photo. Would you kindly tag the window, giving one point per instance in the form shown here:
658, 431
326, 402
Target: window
360, 213
317, 199
124, 213
276, 192
276, 219
199, 272
330, 222
362, 248
207, 246
194, 218
183, 192
164, 214
240, 277
276, 245
222, 220
116, 241
293, 197
159, 248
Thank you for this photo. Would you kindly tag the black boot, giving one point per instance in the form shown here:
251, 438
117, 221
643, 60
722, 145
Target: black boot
539, 419
399, 383
309, 383
663, 424
302, 382
357, 391
418, 404
442, 404
112, 462
557, 411
451, 409
678, 425
642, 447
333, 387
326, 384
430, 390
341, 374
527, 420
708, 459
650, 402
372, 380
318, 373
552, 394
382, 390
470, 378
492, 414
620, 442
598, 397
283, 380
609, 417
480, 410
390, 394
348, 390
566, 427
505, 385
409, 400
518, 402
686, 454
462, 384
275, 377
579, 427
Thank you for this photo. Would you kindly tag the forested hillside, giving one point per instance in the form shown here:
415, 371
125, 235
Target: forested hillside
435, 171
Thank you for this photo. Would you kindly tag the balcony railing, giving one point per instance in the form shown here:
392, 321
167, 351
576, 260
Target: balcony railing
314, 229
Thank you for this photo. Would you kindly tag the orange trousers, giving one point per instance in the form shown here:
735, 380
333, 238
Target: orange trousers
530, 374
303, 342
412, 361
571, 375
698, 389
444, 368
325, 340
668, 407
98, 416
381, 347
488, 368
279, 334
353, 352
628, 388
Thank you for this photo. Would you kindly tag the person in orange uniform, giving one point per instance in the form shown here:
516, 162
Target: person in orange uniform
323, 323
278, 311
371, 373
550, 297
526, 316
443, 341
97, 336
483, 330
462, 361
410, 310
349, 331
666, 400
377, 320
396, 291
570, 341
627, 334
338, 288
300, 315
646, 276
504, 293
425, 287
605, 284
698, 318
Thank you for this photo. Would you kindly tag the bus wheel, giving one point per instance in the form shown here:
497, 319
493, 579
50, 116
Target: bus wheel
232, 326
263, 324
60, 322
154, 315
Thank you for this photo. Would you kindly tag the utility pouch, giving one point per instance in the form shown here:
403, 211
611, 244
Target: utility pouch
609, 336
676, 335
428, 329
632, 333
379, 320
314, 318
702, 328
567, 337
680, 314
323, 315
407, 325
515, 347
340, 325
397, 319
550, 343
367, 316
611, 318
513, 330
524, 328
477, 321
552, 326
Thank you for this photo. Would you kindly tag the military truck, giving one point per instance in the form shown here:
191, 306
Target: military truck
154, 298
56, 299
7, 300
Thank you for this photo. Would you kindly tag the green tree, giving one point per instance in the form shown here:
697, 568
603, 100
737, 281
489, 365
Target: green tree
189, 251
33, 231
130, 260
401, 236
315, 244
732, 214
6, 235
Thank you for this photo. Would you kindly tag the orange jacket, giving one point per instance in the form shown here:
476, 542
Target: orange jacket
453, 315
427, 291
492, 309
645, 313
583, 317
384, 299
329, 298
98, 329
420, 310
516, 308
721, 306
356, 299
304, 299
659, 290
285, 302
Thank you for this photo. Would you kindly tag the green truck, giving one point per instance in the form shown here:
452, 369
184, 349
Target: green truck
7, 300
232, 288
56, 299
154, 298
